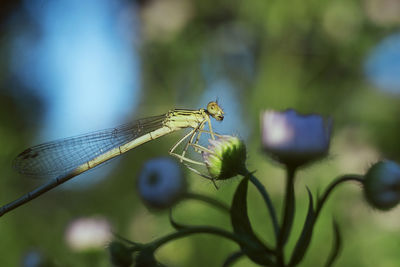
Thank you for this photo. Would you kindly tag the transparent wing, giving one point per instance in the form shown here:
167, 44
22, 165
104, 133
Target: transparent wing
57, 157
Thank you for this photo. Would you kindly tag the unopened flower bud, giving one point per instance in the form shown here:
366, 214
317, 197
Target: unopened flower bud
226, 158
382, 185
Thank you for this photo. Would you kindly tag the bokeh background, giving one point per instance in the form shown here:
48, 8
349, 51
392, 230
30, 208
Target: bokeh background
70, 66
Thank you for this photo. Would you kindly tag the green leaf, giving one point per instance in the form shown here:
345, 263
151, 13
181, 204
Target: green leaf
306, 234
337, 245
252, 246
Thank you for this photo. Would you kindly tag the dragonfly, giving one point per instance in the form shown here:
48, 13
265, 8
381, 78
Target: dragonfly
66, 158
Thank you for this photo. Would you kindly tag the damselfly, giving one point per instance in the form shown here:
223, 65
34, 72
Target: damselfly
66, 158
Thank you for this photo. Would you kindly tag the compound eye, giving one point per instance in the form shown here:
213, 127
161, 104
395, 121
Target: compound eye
211, 107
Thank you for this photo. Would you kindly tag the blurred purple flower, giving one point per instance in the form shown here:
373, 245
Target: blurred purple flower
294, 139
161, 183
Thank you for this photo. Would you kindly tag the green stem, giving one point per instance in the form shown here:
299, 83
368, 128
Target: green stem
196, 230
233, 258
134, 244
288, 215
333, 185
267, 200
208, 200
321, 201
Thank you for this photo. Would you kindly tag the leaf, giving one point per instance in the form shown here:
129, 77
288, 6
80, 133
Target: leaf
337, 245
306, 234
252, 246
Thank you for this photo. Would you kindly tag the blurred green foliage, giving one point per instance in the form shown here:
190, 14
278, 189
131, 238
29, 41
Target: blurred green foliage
307, 55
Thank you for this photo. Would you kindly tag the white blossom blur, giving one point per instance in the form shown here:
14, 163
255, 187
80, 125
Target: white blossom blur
90, 233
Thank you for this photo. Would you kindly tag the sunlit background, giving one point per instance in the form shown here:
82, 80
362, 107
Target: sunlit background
69, 67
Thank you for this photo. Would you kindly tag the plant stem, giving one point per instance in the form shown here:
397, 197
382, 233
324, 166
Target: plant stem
320, 202
233, 258
195, 230
268, 201
209, 200
333, 185
288, 215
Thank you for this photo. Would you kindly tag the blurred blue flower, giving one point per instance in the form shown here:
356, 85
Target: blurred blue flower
382, 66
161, 183
382, 185
33, 258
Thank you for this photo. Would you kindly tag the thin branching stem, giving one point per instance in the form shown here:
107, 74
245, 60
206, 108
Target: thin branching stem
332, 186
196, 230
233, 258
209, 200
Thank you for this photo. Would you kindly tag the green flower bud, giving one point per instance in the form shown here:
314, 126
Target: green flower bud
226, 157
382, 185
